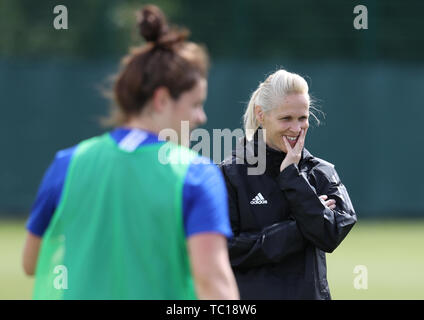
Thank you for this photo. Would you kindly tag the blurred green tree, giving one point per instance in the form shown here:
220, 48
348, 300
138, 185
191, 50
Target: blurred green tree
250, 29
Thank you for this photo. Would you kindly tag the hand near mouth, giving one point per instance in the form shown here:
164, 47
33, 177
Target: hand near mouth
293, 154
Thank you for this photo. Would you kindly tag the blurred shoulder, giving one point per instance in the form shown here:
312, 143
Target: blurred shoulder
202, 171
65, 153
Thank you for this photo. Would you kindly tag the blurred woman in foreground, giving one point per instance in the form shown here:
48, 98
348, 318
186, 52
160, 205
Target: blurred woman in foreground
116, 221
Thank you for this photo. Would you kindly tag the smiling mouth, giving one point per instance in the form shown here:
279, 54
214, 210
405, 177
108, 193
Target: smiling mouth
292, 138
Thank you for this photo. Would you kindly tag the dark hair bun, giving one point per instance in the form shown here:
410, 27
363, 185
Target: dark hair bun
152, 23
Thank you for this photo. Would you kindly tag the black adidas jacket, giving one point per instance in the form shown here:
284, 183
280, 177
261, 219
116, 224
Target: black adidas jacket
281, 228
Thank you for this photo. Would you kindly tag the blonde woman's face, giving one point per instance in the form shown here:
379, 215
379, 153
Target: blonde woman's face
288, 120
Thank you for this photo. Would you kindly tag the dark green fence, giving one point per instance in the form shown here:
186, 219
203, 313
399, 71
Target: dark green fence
371, 132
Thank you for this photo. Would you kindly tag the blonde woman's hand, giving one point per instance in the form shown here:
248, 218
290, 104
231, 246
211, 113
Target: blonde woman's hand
293, 154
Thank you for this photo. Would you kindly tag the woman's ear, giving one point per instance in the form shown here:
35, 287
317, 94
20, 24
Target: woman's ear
161, 99
259, 114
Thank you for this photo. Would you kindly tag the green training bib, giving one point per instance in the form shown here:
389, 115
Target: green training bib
118, 230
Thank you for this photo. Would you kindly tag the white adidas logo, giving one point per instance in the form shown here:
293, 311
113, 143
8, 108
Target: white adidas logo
259, 199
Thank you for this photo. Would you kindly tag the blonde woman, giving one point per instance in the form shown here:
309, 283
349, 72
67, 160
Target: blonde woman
285, 219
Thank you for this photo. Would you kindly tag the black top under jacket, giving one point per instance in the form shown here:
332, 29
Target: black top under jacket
281, 227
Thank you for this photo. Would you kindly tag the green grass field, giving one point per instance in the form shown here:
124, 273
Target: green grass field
391, 251
14, 284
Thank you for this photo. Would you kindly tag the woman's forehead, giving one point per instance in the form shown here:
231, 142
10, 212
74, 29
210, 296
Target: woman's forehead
293, 104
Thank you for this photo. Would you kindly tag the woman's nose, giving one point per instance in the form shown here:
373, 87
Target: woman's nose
201, 117
296, 128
